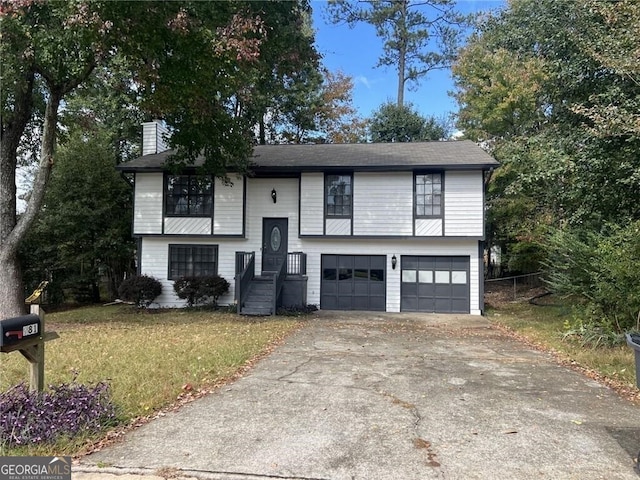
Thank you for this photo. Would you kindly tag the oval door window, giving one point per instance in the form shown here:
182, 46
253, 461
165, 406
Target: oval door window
276, 238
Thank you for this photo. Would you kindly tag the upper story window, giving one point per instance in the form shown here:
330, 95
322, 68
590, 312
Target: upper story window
338, 195
428, 195
192, 261
188, 195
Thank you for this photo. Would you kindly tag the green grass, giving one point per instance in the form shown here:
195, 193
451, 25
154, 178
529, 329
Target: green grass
149, 359
545, 326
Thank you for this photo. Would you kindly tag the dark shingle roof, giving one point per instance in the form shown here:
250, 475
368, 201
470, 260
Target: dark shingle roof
358, 156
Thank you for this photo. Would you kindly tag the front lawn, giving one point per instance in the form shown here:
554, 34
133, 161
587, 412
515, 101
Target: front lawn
148, 359
545, 326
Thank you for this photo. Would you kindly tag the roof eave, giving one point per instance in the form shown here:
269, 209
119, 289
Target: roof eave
333, 168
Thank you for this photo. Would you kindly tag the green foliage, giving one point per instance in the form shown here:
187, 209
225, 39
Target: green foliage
201, 290
141, 290
391, 123
82, 237
524, 257
602, 270
550, 90
318, 107
614, 43
592, 334
499, 93
107, 105
284, 73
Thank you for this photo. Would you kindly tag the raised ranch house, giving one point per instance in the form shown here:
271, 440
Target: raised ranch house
385, 226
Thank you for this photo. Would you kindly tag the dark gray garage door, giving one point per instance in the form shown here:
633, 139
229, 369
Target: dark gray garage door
353, 282
435, 284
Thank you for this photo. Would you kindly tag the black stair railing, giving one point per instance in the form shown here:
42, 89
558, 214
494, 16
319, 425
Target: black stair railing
245, 272
278, 281
296, 263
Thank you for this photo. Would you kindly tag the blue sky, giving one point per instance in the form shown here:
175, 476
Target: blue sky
355, 51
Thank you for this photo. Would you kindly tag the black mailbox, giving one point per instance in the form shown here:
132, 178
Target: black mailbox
17, 329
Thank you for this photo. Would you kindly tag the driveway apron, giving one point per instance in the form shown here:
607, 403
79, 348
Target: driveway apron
357, 395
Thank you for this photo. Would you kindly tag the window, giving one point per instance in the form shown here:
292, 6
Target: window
338, 195
428, 194
188, 195
192, 260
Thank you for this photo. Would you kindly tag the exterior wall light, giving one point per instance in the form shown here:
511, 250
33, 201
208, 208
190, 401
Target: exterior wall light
394, 262
274, 195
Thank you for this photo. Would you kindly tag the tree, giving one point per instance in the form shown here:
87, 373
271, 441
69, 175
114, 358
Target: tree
339, 121
83, 232
189, 62
107, 104
499, 94
286, 63
612, 111
320, 110
392, 123
528, 81
64, 59
552, 89
419, 36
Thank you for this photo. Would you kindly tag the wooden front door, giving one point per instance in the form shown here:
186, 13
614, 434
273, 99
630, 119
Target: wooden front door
274, 243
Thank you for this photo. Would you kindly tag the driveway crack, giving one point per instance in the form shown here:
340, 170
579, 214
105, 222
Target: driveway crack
418, 441
295, 369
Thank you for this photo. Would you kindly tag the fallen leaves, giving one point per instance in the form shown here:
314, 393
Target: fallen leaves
421, 443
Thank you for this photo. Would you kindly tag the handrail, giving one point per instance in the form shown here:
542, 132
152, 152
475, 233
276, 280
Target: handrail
296, 263
498, 279
278, 281
242, 259
245, 271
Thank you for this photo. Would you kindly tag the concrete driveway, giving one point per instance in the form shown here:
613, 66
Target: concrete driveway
391, 396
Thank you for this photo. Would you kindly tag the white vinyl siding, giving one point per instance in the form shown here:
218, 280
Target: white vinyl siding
228, 215
314, 248
374, 207
155, 262
260, 205
428, 227
153, 137
311, 203
463, 204
147, 216
155, 252
187, 225
383, 203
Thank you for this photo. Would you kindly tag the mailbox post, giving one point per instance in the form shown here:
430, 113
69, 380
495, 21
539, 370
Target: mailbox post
26, 334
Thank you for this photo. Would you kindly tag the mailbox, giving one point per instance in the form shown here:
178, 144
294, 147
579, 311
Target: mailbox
17, 329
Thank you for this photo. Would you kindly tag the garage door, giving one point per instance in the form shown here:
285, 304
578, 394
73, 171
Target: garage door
353, 282
435, 284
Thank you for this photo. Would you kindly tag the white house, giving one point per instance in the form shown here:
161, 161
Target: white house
383, 226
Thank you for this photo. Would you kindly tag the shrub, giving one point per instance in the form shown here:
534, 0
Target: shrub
600, 269
297, 310
201, 290
142, 290
67, 410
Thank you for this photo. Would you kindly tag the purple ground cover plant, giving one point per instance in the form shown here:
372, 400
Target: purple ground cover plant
65, 410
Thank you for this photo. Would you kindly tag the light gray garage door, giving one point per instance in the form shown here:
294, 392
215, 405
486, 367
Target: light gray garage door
434, 284
353, 282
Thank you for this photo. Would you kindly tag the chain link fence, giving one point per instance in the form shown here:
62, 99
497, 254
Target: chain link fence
514, 287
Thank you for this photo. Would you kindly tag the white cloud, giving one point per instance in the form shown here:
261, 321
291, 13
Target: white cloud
363, 80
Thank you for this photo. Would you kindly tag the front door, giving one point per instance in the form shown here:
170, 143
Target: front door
274, 243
